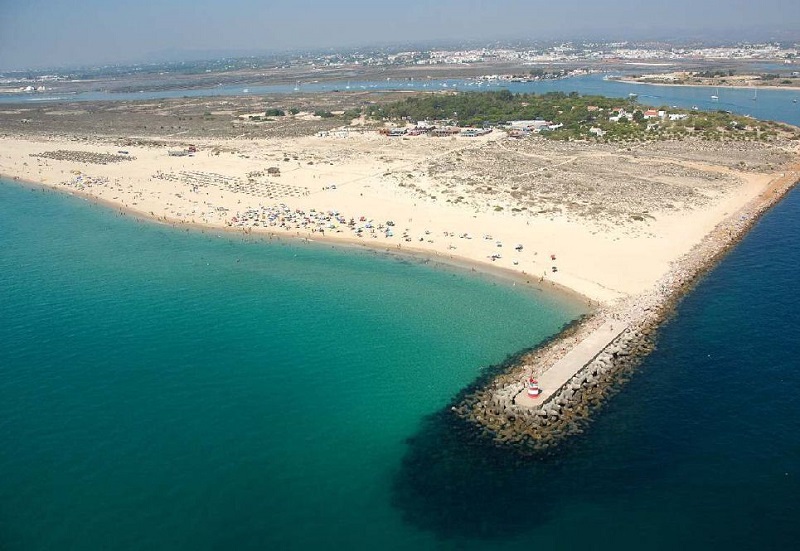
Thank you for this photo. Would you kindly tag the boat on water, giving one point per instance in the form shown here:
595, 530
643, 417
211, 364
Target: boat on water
715, 97
633, 96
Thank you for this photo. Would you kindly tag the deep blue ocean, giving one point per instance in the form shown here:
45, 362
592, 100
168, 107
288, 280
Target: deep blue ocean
164, 389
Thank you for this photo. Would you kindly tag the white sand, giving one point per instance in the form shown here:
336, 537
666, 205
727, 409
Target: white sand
604, 263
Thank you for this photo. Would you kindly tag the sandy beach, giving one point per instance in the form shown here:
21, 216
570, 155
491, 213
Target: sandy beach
601, 220
742, 82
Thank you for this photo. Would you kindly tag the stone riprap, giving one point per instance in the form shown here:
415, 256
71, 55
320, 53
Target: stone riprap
577, 370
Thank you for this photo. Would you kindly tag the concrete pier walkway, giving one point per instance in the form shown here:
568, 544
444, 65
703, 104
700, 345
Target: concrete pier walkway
564, 369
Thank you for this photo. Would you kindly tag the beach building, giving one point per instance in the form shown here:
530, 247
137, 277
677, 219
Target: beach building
475, 132
528, 125
620, 112
655, 114
445, 132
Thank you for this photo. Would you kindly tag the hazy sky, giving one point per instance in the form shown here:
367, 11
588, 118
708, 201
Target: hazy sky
70, 32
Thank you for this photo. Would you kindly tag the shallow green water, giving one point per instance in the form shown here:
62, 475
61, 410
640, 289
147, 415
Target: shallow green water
165, 389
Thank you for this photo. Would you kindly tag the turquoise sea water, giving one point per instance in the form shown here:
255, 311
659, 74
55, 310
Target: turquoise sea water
166, 389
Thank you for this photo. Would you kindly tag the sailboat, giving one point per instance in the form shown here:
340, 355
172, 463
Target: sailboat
715, 97
755, 94
297, 85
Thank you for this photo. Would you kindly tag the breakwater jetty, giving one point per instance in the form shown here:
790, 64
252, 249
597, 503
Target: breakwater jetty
577, 370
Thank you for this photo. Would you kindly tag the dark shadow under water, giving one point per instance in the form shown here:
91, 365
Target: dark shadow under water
460, 485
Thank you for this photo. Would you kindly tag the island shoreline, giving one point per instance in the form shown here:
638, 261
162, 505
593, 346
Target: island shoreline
491, 405
628, 80
620, 328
